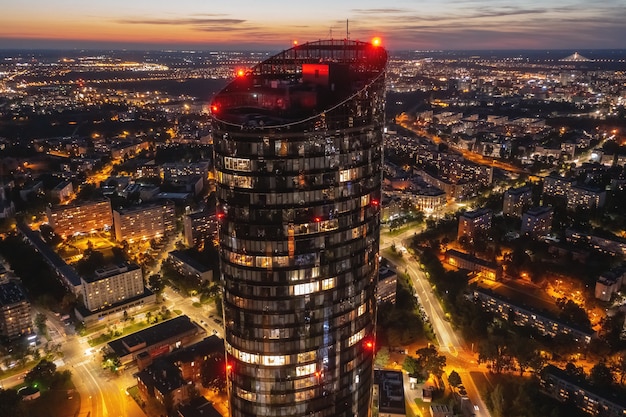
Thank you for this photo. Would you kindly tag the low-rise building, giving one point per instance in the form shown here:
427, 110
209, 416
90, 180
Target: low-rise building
156, 341
389, 393
189, 267
560, 385
162, 381
440, 410
198, 407
528, 316
483, 269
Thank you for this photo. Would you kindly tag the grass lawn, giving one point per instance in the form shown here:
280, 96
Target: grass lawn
482, 383
404, 228
63, 402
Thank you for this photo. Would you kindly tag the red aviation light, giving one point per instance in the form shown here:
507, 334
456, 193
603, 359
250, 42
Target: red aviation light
369, 344
375, 203
229, 367
376, 41
295, 42
220, 215
240, 73
317, 219
214, 108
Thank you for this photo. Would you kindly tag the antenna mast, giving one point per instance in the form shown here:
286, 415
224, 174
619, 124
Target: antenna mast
347, 31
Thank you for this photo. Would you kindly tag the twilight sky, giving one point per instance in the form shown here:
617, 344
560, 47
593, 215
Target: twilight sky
273, 24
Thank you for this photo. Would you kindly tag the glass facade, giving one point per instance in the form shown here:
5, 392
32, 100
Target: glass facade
298, 153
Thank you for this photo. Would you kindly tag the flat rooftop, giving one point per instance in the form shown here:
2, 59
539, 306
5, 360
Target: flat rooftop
153, 335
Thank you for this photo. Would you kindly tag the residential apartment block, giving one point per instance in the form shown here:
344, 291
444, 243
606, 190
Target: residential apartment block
111, 285
81, 217
144, 222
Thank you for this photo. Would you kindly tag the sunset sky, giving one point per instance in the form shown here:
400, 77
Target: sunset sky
270, 24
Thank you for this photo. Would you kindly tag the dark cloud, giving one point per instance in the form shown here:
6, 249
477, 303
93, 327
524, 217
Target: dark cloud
380, 11
183, 21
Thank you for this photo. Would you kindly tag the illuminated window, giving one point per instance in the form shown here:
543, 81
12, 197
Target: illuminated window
277, 360
263, 261
305, 369
361, 309
356, 337
306, 356
307, 288
329, 283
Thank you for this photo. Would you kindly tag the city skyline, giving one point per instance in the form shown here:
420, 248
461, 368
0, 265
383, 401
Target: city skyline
450, 24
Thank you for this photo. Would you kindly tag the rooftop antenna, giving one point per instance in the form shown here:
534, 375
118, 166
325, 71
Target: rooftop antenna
347, 31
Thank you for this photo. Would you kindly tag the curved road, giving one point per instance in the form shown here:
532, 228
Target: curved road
449, 341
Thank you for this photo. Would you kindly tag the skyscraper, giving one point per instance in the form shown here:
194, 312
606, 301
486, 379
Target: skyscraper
298, 152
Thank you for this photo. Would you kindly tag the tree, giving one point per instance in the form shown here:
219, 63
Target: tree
156, 283
382, 358
412, 366
454, 379
601, 376
111, 361
42, 374
431, 362
40, 322
619, 366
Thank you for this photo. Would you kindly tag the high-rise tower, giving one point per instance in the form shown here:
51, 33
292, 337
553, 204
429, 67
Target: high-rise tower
298, 152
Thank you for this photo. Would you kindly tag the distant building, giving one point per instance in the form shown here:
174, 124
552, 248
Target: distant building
558, 384
609, 283
15, 319
82, 217
199, 227
144, 222
387, 285
440, 410
555, 185
63, 190
110, 285
586, 197
471, 222
516, 200
176, 170
537, 221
